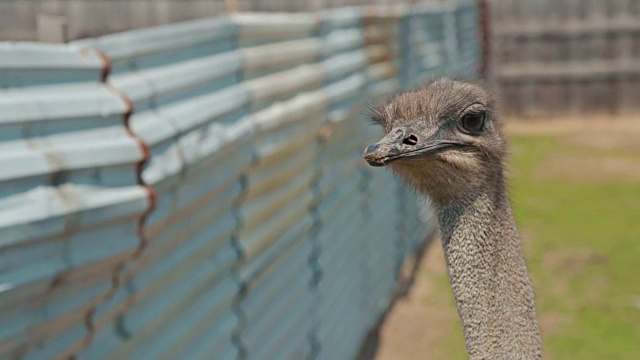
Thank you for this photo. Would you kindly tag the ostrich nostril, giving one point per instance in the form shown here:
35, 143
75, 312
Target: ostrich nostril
371, 149
411, 140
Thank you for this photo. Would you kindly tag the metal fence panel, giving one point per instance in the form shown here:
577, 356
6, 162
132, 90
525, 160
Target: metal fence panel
273, 268
187, 105
182, 191
69, 201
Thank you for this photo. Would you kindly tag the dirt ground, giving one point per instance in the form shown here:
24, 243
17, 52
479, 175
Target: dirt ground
419, 325
421, 321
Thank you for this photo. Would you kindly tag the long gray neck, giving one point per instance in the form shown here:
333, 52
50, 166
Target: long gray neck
489, 277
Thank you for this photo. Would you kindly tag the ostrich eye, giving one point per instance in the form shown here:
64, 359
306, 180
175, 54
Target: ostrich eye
472, 122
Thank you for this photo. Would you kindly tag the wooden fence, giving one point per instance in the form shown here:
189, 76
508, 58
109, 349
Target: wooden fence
566, 57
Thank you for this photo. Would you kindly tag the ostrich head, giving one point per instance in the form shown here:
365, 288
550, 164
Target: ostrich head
443, 138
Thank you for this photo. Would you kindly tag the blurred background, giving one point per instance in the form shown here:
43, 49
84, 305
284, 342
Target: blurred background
183, 179
86, 18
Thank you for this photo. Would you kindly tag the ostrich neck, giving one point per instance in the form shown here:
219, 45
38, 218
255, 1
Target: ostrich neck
488, 275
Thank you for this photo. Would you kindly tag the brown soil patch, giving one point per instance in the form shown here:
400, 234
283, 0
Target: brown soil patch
594, 125
591, 169
552, 323
612, 139
570, 261
418, 323
591, 141
566, 265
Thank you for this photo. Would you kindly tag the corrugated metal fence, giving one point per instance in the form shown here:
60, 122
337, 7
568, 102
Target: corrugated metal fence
196, 191
576, 56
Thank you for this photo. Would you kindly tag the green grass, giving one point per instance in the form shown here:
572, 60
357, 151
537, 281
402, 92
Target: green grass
583, 251
582, 241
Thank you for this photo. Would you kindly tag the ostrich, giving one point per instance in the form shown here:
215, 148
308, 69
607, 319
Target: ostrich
445, 140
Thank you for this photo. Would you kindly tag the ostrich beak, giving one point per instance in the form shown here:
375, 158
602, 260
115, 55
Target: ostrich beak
403, 143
